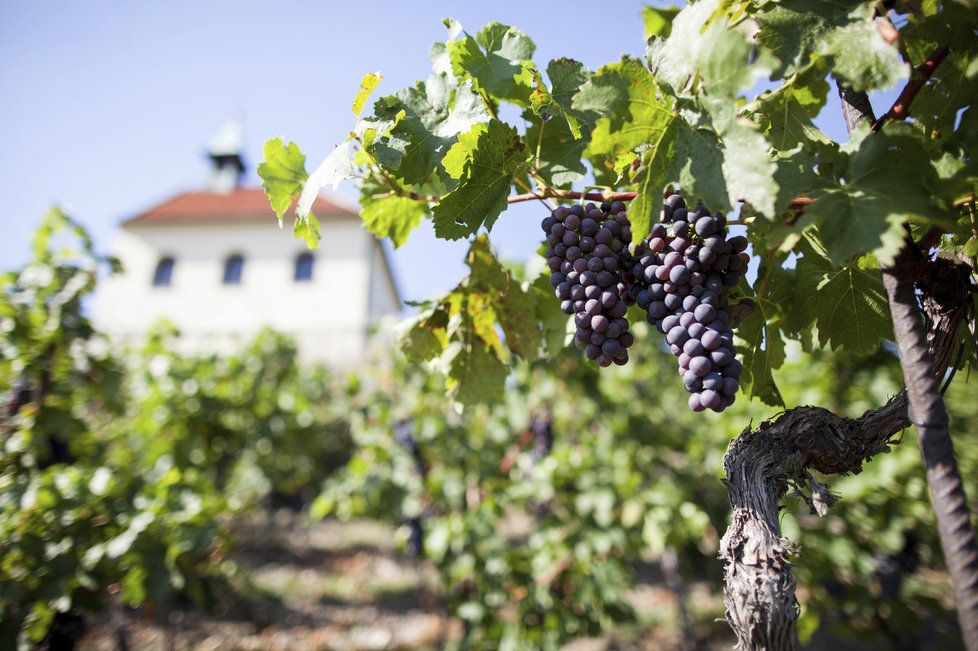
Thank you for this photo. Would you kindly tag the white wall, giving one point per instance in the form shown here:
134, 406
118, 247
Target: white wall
328, 315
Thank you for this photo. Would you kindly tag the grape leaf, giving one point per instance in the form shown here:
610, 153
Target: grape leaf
494, 59
862, 57
505, 299
748, 171
681, 153
799, 31
657, 21
367, 85
441, 60
428, 335
336, 167
561, 153
761, 349
432, 119
307, 229
793, 29
567, 76
475, 374
701, 48
282, 174
785, 114
888, 179
847, 304
759, 337
480, 196
392, 216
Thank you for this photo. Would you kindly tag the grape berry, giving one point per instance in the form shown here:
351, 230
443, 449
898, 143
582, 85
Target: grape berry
678, 276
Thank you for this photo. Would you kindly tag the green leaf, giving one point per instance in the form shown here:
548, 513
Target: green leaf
748, 170
681, 153
759, 339
432, 118
658, 21
282, 174
505, 300
561, 153
862, 58
307, 229
480, 196
567, 77
494, 59
393, 216
702, 48
428, 336
785, 114
475, 374
800, 31
847, 304
793, 29
367, 85
888, 180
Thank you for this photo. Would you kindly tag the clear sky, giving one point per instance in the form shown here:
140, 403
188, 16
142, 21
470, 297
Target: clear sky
107, 105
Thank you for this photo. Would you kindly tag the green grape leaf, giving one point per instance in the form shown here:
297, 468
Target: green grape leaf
561, 153
480, 196
505, 300
888, 180
863, 59
657, 21
847, 304
759, 338
761, 349
567, 76
702, 48
428, 335
798, 32
475, 374
432, 118
748, 170
393, 216
793, 29
494, 59
785, 114
367, 85
282, 174
460, 154
307, 229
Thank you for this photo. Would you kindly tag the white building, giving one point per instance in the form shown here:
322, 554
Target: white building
216, 264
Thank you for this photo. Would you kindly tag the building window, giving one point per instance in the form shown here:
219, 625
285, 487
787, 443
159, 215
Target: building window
233, 267
163, 275
304, 264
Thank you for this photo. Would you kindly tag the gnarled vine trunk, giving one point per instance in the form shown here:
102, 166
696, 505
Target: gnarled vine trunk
762, 463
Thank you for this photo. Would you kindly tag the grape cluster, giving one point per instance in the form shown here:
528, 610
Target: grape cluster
682, 271
590, 271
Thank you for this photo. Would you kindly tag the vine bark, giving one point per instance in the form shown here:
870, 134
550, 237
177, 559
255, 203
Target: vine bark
763, 463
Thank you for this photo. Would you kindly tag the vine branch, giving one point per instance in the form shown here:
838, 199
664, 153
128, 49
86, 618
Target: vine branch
901, 107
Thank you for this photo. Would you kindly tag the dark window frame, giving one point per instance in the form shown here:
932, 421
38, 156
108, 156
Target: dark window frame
163, 273
233, 269
304, 267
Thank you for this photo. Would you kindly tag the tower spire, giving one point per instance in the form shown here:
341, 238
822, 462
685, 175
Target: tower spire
224, 150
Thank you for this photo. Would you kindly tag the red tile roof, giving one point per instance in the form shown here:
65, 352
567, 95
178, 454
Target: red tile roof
241, 204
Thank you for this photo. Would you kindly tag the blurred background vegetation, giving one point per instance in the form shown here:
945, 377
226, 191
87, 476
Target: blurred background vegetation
156, 500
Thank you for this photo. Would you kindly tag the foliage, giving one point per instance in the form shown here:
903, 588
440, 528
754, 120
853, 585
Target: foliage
115, 481
535, 547
722, 107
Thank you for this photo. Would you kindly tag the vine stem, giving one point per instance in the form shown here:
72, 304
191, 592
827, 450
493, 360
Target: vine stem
926, 403
901, 107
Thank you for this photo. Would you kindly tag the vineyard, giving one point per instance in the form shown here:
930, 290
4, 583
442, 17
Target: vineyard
729, 402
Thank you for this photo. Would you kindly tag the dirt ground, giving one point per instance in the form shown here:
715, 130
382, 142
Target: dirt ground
343, 586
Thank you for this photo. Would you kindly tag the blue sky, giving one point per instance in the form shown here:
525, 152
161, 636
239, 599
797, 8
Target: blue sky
107, 105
